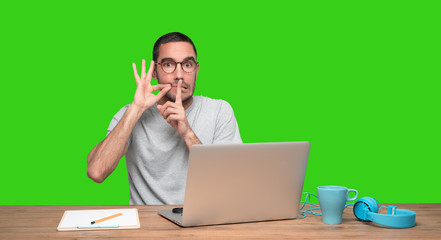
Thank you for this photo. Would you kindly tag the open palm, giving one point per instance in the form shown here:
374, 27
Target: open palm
144, 97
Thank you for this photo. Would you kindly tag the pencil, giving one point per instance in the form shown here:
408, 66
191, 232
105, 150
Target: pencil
106, 218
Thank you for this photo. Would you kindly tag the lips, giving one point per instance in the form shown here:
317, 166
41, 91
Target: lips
175, 86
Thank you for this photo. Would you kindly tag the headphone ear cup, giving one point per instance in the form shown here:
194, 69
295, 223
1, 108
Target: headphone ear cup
374, 205
365, 205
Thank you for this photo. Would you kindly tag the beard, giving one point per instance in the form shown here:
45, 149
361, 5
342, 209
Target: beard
172, 97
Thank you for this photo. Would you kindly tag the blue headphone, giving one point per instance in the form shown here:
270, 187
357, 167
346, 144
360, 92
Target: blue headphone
366, 209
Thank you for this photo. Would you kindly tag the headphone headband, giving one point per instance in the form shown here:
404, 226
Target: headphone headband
366, 209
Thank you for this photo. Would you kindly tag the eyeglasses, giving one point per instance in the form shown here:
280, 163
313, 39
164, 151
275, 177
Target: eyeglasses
169, 66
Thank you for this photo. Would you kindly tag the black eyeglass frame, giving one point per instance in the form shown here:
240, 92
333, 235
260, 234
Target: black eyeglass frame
176, 65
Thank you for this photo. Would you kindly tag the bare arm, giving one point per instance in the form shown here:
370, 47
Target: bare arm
191, 139
105, 156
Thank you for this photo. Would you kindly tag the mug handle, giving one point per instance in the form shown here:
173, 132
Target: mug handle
356, 194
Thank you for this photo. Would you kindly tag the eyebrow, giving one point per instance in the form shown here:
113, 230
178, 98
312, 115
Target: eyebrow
190, 58
171, 59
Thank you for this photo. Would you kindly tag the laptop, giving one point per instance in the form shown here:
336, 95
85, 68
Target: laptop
236, 183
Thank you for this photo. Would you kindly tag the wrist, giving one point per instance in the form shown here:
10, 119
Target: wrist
191, 139
189, 135
136, 110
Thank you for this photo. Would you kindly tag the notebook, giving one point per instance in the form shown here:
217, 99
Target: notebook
233, 183
77, 220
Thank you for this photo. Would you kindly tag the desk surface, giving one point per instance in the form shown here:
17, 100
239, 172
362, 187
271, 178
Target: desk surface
40, 222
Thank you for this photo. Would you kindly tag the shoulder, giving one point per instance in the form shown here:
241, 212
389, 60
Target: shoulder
116, 118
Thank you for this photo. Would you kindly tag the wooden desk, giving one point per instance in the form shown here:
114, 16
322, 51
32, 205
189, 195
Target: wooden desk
40, 222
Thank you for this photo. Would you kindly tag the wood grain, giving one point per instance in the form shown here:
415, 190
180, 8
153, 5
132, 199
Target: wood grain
40, 222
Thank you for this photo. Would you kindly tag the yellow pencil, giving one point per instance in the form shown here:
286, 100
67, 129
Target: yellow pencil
106, 218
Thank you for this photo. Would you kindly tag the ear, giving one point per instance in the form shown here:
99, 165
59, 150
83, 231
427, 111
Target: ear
197, 70
154, 73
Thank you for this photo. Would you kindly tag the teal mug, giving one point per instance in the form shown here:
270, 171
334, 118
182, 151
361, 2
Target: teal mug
332, 200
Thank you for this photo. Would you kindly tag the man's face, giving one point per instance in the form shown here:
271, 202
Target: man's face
178, 52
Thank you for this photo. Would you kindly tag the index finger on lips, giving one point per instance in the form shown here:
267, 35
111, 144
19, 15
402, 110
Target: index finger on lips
179, 93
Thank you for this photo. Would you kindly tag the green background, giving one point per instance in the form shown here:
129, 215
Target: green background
360, 80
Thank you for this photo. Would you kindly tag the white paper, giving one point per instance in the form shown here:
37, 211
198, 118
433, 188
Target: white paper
74, 218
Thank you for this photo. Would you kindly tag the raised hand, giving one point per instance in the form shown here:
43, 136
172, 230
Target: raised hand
144, 97
174, 113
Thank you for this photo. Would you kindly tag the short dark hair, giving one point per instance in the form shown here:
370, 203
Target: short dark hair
171, 37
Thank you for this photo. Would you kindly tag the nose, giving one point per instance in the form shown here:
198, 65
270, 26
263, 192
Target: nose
179, 71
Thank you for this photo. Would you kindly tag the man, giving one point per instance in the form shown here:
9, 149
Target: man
155, 132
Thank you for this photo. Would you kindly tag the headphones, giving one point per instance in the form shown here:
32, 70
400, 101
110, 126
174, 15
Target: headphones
366, 209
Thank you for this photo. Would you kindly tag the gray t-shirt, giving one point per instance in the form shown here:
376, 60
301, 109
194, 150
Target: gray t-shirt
157, 157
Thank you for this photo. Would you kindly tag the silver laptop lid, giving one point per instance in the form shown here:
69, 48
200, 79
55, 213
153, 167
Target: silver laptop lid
244, 182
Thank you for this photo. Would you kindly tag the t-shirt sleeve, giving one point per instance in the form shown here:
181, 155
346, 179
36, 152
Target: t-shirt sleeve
227, 130
115, 120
